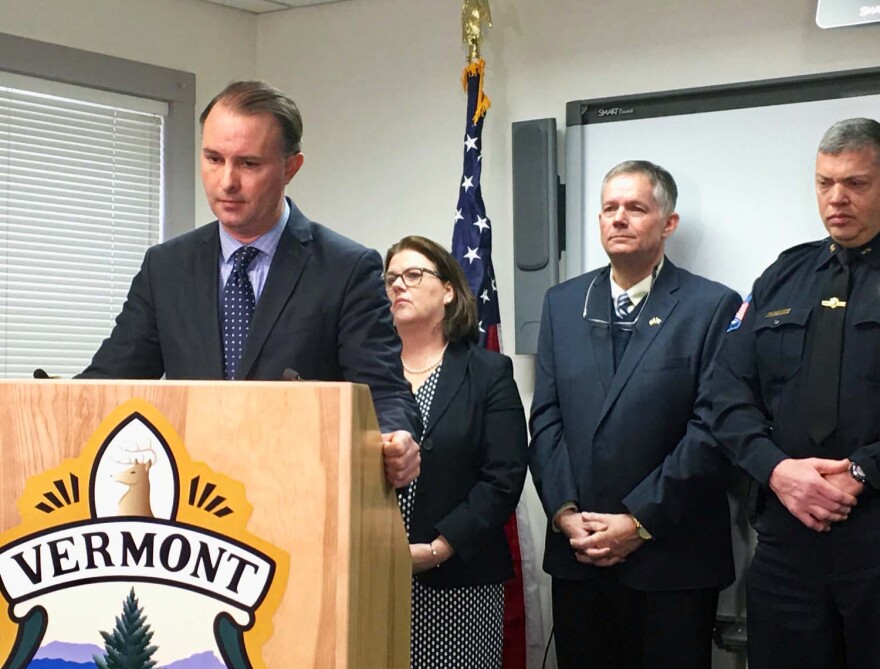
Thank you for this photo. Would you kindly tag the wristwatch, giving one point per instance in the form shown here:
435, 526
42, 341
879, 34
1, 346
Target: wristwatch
644, 535
856, 472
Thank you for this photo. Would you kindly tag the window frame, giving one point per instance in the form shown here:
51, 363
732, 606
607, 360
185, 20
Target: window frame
176, 88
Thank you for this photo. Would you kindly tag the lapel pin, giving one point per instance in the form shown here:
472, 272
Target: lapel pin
654, 321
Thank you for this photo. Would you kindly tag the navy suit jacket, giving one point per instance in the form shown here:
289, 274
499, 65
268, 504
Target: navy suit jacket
474, 459
635, 441
323, 312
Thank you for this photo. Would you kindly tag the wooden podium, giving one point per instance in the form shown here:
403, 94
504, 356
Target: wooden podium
309, 458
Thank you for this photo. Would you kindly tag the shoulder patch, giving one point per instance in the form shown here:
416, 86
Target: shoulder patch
740, 314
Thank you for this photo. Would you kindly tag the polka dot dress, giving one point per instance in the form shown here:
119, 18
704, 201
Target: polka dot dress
456, 628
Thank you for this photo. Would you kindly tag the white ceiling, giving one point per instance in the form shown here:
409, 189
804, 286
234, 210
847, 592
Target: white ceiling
266, 6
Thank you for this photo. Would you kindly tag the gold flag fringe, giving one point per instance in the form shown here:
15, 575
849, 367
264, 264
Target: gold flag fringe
477, 69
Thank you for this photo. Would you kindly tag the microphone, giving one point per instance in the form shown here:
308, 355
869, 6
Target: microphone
291, 375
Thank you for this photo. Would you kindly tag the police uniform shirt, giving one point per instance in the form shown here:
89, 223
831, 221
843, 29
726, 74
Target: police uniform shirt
760, 411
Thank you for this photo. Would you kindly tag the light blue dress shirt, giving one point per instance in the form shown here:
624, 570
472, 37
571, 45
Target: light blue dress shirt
259, 267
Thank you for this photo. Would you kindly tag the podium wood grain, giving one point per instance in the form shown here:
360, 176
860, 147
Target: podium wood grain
309, 456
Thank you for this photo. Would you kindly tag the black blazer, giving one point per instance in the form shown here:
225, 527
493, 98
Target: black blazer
474, 458
637, 440
323, 312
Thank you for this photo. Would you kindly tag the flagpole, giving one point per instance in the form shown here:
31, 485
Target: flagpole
472, 248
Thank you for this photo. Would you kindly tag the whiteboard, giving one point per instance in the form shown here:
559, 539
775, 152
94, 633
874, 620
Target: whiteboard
744, 174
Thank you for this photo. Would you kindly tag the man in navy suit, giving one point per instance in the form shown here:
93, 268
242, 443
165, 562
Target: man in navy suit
638, 538
317, 303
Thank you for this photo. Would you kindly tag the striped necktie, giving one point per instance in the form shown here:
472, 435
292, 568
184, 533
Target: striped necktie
623, 305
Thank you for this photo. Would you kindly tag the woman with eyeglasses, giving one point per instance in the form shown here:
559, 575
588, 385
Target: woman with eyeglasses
474, 456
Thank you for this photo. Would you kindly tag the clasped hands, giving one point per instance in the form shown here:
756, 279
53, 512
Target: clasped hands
599, 539
816, 491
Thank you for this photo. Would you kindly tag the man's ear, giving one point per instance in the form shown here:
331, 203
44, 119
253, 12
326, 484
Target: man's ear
292, 165
671, 224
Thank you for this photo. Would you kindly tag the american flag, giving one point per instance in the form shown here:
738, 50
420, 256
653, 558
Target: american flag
472, 237
472, 248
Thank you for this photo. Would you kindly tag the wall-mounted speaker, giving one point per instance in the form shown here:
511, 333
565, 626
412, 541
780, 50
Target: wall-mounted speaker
536, 224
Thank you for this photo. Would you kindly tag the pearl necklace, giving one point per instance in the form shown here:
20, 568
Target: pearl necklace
429, 367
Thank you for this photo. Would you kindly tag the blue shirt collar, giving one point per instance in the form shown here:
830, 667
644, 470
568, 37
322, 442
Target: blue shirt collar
267, 243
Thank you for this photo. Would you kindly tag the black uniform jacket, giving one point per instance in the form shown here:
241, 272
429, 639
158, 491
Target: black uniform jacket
759, 381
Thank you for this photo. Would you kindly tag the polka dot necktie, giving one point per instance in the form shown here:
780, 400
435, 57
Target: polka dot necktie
623, 305
238, 308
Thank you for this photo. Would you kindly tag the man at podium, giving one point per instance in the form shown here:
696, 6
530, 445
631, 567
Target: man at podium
263, 292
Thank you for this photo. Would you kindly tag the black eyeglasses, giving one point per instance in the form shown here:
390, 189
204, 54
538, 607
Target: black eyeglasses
412, 276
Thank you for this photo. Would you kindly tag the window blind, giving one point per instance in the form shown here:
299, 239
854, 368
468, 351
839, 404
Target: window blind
80, 202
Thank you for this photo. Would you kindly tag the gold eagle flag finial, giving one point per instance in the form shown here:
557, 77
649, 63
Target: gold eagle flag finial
473, 14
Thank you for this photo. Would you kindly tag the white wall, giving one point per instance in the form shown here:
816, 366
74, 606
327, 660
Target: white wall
215, 43
378, 84
377, 81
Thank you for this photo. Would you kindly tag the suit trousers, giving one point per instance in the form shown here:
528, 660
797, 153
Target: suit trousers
813, 598
603, 624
